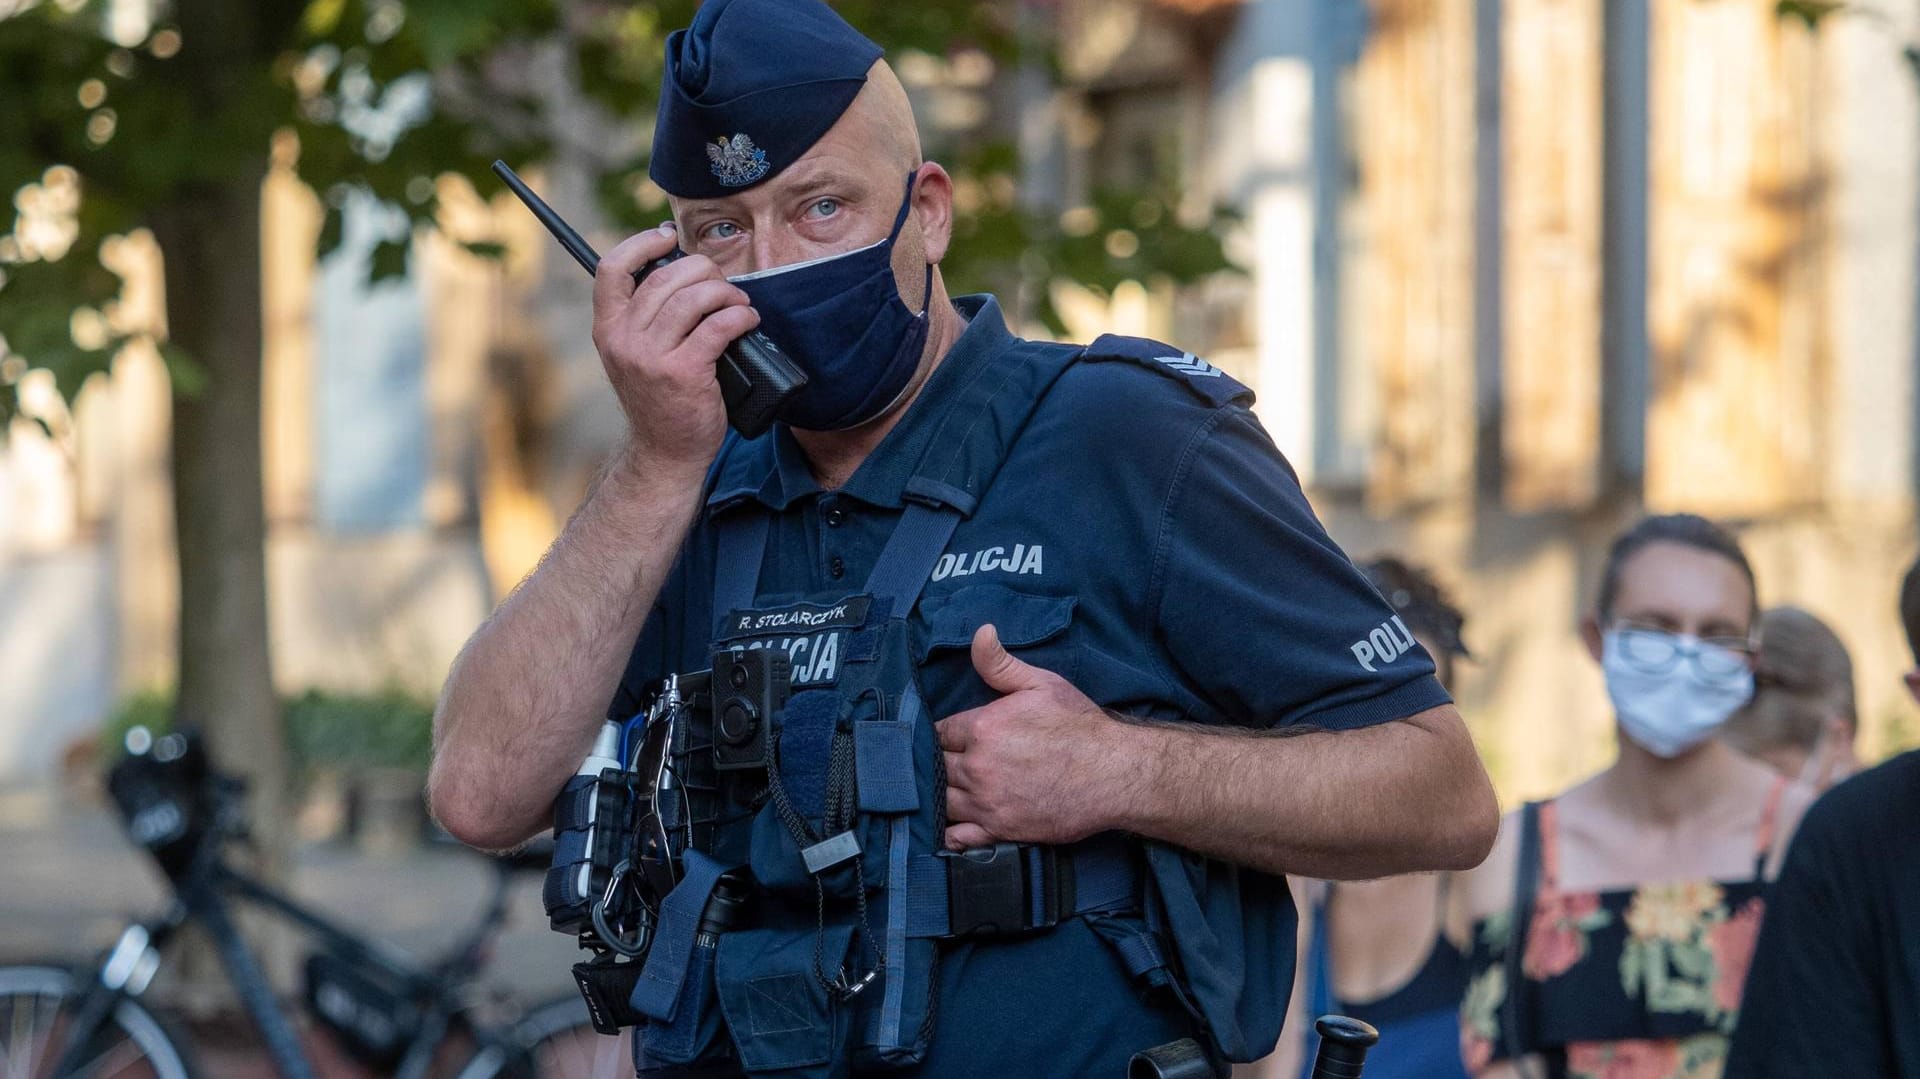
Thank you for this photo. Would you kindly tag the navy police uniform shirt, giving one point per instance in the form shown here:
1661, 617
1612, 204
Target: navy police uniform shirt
1130, 527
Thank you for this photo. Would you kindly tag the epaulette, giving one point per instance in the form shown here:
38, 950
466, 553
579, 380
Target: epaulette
1206, 381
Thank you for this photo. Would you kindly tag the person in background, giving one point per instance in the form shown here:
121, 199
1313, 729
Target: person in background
1802, 717
1614, 923
1835, 986
1384, 951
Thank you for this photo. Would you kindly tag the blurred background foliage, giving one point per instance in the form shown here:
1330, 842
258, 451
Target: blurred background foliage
1814, 12
325, 731
384, 97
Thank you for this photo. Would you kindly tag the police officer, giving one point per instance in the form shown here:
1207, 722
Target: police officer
1048, 605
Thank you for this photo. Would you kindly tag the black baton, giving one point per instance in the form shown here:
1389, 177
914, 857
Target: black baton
1183, 1059
1343, 1047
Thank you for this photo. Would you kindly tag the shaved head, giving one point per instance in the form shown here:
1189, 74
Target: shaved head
883, 116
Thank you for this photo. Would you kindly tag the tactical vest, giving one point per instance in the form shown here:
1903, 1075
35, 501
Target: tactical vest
836, 968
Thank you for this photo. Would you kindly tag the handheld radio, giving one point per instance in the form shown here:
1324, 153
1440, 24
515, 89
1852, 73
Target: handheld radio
756, 378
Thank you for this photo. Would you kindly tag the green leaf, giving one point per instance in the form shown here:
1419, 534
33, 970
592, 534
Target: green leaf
388, 260
70, 377
333, 229
322, 17
188, 377
1808, 11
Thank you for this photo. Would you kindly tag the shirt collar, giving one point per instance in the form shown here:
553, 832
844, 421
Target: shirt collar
940, 452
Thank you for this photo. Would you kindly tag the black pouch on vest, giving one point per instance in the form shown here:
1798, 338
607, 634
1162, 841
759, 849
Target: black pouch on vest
606, 982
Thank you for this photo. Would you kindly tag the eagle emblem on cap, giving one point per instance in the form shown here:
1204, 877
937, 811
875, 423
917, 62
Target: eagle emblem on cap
736, 161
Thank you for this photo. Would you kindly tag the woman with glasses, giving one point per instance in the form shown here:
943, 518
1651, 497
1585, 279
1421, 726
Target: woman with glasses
1613, 924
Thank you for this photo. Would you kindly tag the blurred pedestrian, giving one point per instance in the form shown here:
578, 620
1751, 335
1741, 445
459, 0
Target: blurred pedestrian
1801, 719
1835, 988
1614, 923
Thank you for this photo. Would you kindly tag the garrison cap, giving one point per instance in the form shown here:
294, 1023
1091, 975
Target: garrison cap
749, 87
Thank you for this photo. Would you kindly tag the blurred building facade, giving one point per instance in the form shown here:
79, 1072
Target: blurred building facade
1515, 272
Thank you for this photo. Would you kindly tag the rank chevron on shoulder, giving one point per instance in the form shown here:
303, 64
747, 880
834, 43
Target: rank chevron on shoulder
1188, 363
1202, 379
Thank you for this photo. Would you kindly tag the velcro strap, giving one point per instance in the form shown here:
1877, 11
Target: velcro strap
558, 891
658, 990
573, 809
1099, 874
612, 829
570, 848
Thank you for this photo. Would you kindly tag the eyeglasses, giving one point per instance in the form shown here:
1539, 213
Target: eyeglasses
1655, 651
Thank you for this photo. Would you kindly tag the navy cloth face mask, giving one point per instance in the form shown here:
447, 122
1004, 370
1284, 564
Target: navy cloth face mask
843, 322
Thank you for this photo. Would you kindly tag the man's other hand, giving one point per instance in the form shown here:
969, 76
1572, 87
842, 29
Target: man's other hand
1033, 766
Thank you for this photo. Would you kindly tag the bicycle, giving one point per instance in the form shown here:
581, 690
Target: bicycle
389, 1013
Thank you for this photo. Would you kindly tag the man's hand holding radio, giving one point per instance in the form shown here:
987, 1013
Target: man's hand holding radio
659, 343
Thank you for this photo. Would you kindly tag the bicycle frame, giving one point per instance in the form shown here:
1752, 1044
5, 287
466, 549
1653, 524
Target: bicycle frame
206, 893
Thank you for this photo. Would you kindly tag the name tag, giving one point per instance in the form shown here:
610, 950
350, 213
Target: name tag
800, 617
812, 634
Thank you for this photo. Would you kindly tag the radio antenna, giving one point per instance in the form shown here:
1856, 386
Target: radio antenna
576, 246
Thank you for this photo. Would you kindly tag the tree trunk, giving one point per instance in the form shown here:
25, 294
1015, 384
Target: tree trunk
210, 244
210, 241
209, 235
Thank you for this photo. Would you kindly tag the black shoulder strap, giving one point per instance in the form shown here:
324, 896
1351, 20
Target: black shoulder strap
1526, 886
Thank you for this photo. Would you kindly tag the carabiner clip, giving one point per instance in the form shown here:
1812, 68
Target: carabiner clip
612, 938
613, 881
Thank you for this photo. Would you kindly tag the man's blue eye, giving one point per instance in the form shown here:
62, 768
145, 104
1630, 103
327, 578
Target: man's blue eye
826, 207
722, 230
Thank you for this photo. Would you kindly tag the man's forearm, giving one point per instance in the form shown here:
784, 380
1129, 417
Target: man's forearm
528, 692
1395, 798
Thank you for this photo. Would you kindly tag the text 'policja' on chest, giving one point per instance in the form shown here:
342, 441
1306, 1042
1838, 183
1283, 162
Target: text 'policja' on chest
816, 657
1019, 558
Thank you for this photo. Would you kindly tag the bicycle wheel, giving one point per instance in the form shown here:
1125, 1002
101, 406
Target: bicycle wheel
37, 1004
557, 1042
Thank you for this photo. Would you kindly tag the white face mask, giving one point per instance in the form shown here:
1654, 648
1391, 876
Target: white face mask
1670, 712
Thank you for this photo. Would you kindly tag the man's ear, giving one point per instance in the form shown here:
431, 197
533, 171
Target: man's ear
1913, 683
1590, 635
933, 210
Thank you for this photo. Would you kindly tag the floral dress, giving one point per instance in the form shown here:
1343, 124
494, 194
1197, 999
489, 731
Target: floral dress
1641, 983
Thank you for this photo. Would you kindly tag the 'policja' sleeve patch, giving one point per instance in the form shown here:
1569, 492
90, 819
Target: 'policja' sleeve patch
1206, 381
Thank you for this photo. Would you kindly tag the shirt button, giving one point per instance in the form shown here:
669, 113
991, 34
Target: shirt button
837, 567
836, 517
